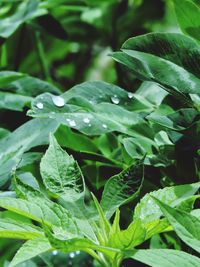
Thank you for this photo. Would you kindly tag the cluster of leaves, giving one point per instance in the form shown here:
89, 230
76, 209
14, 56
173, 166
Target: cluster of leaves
151, 132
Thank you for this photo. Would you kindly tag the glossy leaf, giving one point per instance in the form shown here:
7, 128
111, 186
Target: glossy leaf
188, 17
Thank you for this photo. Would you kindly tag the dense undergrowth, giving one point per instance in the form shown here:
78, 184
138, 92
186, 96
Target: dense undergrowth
100, 133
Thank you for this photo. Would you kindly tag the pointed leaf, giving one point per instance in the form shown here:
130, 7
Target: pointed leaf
147, 210
31, 249
122, 188
61, 173
184, 224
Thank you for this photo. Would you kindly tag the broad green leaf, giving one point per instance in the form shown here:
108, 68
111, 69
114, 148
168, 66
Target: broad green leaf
14, 101
178, 120
109, 93
31, 86
164, 257
10, 228
31, 249
61, 173
147, 210
62, 177
107, 109
122, 188
86, 117
145, 67
188, 17
43, 211
174, 47
32, 133
184, 224
76, 141
6, 77
127, 239
138, 147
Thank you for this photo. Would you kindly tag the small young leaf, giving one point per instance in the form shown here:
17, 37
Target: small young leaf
126, 239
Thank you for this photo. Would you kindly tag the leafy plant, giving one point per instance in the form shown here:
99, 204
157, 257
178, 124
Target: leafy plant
66, 223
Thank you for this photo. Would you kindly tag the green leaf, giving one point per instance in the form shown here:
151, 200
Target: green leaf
103, 222
188, 17
126, 239
10, 228
61, 173
178, 120
145, 67
94, 115
43, 211
122, 188
184, 224
31, 249
30, 86
6, 77
31, 134
164, 257
174, 47
147, 210
14, 101
62, 177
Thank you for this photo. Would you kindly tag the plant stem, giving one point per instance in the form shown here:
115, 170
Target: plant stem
42, 58
4, 61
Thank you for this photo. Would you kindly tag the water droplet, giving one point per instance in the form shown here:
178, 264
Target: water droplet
72, 255
130, 95
58, 101
104, 126
40, 105
78, 252
55, 252
90, 125
72, 123
86, 120
115, 99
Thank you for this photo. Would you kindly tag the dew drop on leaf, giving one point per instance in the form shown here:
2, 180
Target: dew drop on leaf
58, 101
55, 252
72, 123
130, 95
40, 105
72, 255
115, 99
104, 126
86, 120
